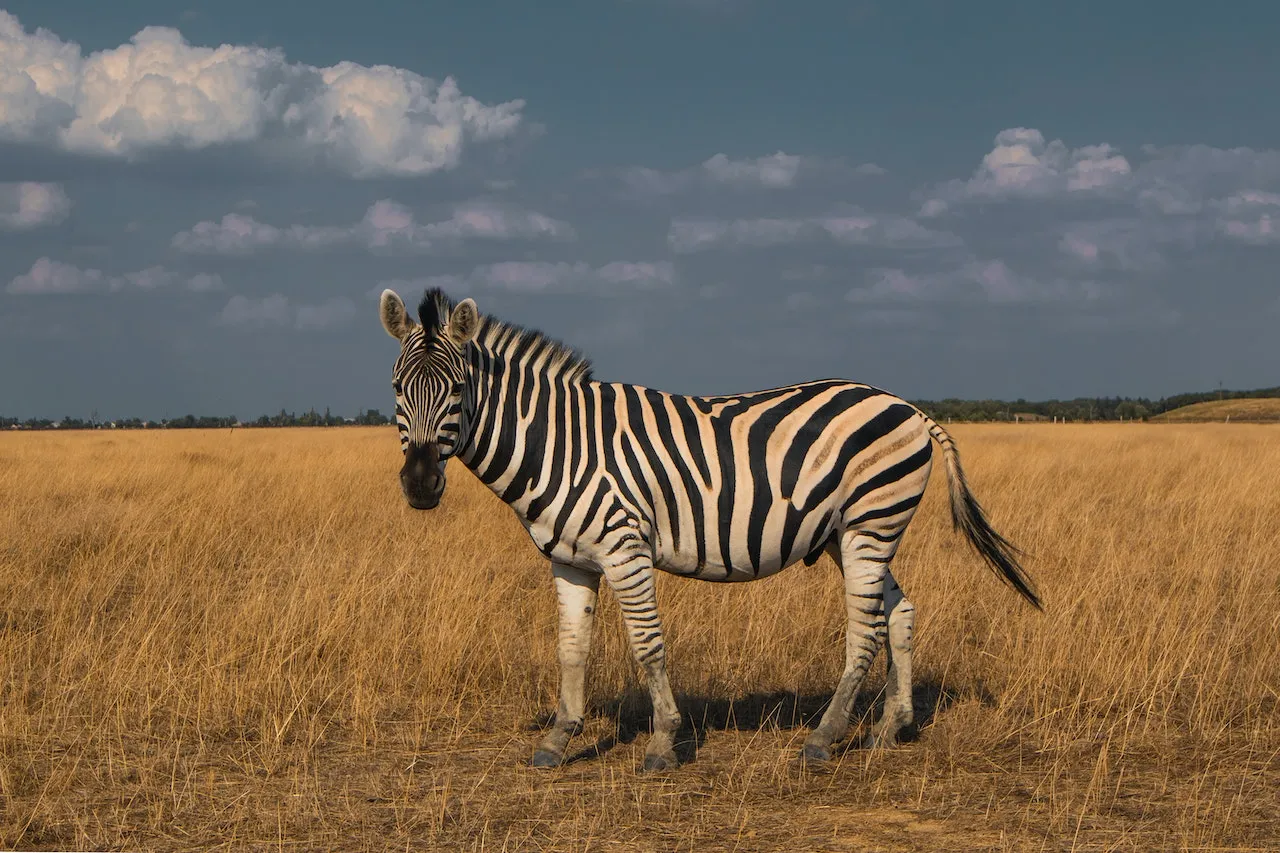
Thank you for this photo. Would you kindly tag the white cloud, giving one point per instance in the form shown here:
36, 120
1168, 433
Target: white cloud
31, 205
777, 171
386, 225
1132, 244
1163, 198
851, 228
48, 276
991, 281
160, 92
205, 282
1177, 197
644, 181
1023, 165
890, 285
933, 207
548, 277
1173, 181
695, 235
1080, 247
1205, 170
248, 313
998, 282
1250, 216
235, 234
151, 278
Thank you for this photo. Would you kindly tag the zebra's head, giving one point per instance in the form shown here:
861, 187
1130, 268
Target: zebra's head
429, 380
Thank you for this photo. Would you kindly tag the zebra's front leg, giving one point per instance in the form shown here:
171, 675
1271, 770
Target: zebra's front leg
633, 584
576, 593
865, 561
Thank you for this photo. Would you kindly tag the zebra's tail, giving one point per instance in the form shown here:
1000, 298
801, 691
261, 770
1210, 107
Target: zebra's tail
967, 516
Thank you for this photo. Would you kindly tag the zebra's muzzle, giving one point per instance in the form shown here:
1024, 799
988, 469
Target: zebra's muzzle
422, 477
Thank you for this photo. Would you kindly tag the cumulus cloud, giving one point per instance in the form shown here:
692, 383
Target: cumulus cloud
851, 228
205, 282
1163, 198
1251, 216
1203, 170
50, 276
247, 313
1080, 247
47, 277
1023, 165
31, 205
1132, 244
1174, 198
1164, 181
776, 171
549, 277
235, 234
159, 92
386, 225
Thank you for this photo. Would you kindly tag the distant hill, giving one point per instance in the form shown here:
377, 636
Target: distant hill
1084, 409
1257, 410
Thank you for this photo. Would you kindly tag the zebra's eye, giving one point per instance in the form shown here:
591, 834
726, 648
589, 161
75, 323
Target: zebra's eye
457, 388
395, 386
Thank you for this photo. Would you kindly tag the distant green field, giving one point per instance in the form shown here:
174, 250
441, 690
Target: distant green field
1260, 410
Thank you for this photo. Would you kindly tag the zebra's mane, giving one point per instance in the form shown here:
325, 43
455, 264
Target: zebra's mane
513, 342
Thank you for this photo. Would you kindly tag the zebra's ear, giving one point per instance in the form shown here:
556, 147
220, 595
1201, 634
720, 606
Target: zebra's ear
395, 319
464, 322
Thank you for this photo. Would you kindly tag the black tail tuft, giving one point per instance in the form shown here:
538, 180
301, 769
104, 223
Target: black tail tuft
1000, 553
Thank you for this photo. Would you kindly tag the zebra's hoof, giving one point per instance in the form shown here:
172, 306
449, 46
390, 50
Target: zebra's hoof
545, 758
881, 740
658, 763
815, 753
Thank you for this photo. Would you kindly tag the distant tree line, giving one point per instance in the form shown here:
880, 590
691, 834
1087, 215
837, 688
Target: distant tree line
1079, 409
311, 418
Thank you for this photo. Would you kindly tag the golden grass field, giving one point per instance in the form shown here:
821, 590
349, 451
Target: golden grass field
246, 640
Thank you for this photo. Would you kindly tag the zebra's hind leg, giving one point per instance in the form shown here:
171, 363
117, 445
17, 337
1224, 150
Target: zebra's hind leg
576, 594
898, 713
864, 561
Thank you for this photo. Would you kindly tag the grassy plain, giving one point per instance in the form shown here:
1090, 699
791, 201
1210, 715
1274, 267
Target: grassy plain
246, 640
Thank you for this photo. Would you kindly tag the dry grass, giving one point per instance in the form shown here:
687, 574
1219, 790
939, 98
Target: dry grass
215, 640
1255, 410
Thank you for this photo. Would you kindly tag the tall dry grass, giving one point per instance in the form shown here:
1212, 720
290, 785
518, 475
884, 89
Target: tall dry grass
247, 640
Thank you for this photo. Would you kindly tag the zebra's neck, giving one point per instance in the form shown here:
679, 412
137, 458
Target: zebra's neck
524, 390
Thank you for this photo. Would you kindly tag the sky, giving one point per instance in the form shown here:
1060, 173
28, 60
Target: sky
200, 202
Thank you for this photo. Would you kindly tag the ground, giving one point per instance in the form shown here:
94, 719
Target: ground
245, 639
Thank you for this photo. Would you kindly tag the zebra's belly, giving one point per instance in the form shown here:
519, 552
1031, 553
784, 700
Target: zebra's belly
719, 574
713, 567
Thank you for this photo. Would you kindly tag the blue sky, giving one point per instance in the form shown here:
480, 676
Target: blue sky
199, 202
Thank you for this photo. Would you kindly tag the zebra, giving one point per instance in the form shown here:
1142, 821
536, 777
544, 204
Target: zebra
615, 481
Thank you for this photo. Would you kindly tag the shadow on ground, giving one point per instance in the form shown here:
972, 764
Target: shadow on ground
784, 710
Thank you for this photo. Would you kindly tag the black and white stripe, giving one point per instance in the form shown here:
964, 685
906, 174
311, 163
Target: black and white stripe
614, 480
